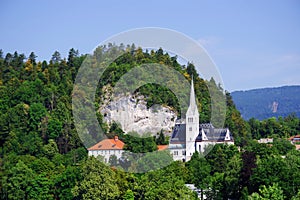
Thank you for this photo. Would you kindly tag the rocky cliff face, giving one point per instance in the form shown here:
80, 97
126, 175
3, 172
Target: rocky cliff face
133, 115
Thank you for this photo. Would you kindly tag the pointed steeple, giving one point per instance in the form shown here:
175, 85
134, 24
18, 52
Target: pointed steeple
191, 124
193, 105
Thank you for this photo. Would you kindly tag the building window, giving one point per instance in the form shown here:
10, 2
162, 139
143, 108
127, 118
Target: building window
190, 119
190, 129
176, 153
183, 153
199, 148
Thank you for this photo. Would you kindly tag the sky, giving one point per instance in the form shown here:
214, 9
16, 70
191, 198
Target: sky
254, 44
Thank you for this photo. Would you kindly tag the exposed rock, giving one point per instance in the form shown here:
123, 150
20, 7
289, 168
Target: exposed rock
275, 106
133, 115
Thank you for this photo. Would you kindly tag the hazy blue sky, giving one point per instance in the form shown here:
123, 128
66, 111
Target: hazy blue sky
254, 43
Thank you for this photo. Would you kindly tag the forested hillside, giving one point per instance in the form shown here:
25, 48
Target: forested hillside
42, 156
268, 102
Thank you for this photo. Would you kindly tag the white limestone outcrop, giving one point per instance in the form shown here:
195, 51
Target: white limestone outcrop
133, 115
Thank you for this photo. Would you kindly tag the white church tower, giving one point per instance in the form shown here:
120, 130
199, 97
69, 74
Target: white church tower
192, 124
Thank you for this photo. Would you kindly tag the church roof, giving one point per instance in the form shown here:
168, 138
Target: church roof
206, 126
212, 134
178, 135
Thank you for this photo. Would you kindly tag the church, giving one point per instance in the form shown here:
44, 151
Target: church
189, 136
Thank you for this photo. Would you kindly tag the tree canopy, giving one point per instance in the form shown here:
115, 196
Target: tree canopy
42, 156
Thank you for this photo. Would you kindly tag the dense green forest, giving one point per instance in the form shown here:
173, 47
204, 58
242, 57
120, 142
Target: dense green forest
42, 156
268, 102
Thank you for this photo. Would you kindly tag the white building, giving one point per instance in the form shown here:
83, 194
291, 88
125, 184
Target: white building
265, 140
106, 148
109, 147
190, 136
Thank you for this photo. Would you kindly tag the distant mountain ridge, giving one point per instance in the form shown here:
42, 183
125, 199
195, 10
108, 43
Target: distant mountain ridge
268, 102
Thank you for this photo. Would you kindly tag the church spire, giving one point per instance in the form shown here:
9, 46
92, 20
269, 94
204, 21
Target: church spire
191, 124
193, 104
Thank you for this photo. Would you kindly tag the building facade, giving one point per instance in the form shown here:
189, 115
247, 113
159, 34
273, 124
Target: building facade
107, 148
189, 136
295, 140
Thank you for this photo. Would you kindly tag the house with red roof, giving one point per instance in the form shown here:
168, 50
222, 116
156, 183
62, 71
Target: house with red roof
109, 147
106, 148
295, 140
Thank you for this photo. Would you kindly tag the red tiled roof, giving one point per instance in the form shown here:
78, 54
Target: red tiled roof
108, 144
297, 146
295, 136
162, 147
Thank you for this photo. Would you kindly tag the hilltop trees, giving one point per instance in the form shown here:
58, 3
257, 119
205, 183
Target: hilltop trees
42, 157
30, 128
